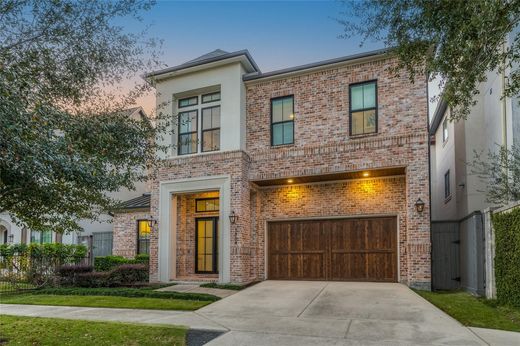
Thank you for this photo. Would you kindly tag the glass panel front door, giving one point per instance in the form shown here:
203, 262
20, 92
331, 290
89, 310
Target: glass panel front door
206, 256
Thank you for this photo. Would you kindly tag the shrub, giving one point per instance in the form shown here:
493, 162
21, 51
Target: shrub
507, 256
142, 258
223, 286
127, 274
94, 279
71, 269
107, 263
68, 272
38, 263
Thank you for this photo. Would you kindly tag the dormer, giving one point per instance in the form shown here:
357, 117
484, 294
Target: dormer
206, 100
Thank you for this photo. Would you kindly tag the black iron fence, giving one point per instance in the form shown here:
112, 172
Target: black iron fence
22, 272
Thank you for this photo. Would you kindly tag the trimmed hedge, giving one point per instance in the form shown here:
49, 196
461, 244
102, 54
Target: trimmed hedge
107, 263
223, 286
84, 276
126, 292
507, 256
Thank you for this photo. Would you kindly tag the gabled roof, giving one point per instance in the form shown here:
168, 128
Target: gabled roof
134, 112
211, 57
141, 202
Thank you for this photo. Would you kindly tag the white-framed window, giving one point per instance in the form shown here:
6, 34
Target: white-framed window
198, 127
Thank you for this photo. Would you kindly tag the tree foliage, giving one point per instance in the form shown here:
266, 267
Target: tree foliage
456, 42
65, 140
500, 172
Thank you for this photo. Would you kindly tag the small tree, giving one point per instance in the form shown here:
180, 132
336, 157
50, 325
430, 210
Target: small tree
65, 140
501, 172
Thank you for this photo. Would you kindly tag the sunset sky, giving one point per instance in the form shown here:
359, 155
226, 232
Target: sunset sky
277, 34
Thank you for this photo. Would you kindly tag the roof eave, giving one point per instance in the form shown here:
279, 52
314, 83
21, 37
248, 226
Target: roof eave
317, 65
440, 110
248, 62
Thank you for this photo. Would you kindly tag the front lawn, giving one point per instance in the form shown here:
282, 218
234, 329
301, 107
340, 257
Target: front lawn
475, 312
104, 301
16, 330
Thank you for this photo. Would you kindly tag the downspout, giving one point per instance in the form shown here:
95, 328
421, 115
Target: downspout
429, 175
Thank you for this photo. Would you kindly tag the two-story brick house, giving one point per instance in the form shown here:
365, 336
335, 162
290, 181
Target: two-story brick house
309, 173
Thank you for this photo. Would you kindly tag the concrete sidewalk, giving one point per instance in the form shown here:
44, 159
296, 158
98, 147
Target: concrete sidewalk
180, 318
496, 337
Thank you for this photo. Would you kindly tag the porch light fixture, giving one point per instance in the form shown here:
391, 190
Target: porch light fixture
152, 222
419, 205
366, 174
10, 238
290, 181
233, 217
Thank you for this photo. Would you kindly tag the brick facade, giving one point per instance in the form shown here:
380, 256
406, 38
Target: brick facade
125, 232
322, 145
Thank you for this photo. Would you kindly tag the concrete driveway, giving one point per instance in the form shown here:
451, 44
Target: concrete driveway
333, 313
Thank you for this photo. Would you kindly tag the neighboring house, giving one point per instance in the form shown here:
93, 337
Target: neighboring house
97, 235
316, 172
458, 195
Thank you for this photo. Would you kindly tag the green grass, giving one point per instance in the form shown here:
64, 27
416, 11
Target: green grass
104, 301
475, 312
223, 286
16, 330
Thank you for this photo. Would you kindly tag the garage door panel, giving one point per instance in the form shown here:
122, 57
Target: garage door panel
348, 266
380, 266
380, 234
340, 249
313, 267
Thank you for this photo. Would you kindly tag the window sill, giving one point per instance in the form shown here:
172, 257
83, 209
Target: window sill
363, 135
193, 155
282, 146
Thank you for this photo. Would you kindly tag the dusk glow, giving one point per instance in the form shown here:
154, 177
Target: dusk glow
277, 34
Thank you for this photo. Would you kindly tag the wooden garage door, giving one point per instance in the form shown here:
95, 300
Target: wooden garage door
363, 249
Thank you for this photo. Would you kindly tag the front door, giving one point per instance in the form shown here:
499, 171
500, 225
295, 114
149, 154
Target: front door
206, 245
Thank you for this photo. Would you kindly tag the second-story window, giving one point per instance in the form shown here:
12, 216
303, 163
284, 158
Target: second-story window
189, 101
188, 138
363, 108
282, 120
211, 128
445, 130
198, 123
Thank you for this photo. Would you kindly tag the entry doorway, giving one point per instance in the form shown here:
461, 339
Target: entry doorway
206, 245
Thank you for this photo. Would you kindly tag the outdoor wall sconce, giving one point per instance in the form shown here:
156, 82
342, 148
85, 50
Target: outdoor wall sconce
152, 222
419, 205
10, 238
233, 217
